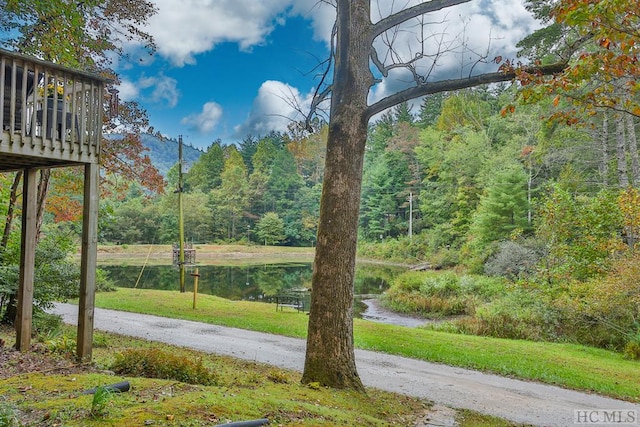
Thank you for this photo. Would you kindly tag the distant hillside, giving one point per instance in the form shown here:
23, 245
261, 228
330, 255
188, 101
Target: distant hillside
164, 152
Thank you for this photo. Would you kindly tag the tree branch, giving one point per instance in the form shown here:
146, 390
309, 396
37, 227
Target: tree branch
456, 84
412, 12
321, 95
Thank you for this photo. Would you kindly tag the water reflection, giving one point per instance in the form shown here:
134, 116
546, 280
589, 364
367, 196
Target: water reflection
253, 282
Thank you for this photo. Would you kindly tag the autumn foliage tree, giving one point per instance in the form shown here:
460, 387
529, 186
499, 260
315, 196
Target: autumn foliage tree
86, 35
599, 41
83, 35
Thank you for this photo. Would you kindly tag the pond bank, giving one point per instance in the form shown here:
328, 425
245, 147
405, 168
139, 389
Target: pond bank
376, 313
213, 254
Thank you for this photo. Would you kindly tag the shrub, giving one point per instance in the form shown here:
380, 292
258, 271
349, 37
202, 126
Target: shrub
401, 249
603, 312
155, 363
63, 345
440, 293
632, 348
518, 314
514, 260
46, 326
103, 282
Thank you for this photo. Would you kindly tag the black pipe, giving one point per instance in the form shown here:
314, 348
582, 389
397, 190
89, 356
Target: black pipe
116, 388
252, 423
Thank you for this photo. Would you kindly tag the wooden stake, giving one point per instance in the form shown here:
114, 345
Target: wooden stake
195, 275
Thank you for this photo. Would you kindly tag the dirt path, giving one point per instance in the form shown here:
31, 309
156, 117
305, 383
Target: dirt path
519, 401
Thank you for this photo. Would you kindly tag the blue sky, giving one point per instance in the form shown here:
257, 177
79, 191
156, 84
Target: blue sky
225, 69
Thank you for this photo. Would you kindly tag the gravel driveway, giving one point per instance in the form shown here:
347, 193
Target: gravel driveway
519, 401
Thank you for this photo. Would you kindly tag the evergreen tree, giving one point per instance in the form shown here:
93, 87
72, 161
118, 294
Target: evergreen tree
232, 198
248, 147
205, 174
503, 208
430, 109
378, 204
402, 113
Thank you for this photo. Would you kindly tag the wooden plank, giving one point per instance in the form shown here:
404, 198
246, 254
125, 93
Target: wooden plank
88, 262
27, 261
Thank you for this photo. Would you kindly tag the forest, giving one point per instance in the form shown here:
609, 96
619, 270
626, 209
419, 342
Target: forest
449, 184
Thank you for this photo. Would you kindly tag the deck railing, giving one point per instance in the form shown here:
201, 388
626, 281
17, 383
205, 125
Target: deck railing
48, 110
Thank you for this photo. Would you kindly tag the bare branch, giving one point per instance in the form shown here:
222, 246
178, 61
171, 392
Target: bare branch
412, 12
321, 95
456, 84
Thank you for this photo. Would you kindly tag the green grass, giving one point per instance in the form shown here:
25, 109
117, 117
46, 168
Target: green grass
567, 365
243, 391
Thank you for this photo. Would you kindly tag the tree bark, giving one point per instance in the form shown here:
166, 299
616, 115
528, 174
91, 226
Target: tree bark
10, 313
330, 357
632, 143
13, 197
621, 152
604, 145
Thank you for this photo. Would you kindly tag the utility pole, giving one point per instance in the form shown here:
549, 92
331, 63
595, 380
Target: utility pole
180, 216
410, 215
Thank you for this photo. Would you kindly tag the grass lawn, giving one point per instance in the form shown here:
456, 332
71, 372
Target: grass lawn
42, 395
242, 391
567, 365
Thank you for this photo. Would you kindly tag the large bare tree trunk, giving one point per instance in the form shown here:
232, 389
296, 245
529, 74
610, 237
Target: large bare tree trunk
632, 143
604, 145
623, 178
330, 358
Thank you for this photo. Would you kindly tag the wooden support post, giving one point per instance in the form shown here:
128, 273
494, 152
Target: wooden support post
196, 276
24, 314
88, 262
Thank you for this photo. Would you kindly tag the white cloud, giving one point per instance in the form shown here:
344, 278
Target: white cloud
128, 90
273, 109
161, 90
321, 14
206, 120
183, 29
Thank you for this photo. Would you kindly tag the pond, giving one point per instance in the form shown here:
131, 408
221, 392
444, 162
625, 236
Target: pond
251, 282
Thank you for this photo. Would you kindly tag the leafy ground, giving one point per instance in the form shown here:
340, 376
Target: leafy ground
44, 388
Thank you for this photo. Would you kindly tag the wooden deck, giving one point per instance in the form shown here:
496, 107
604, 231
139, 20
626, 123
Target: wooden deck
52, 116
